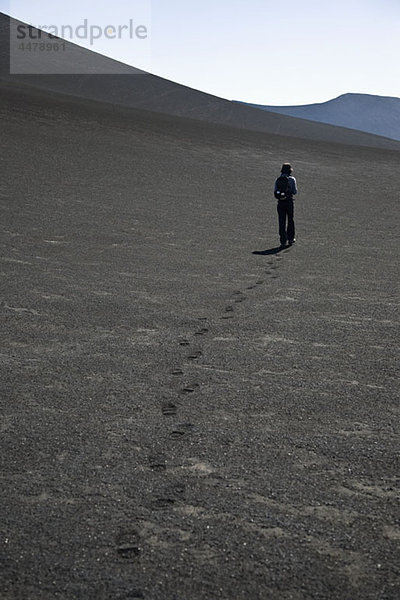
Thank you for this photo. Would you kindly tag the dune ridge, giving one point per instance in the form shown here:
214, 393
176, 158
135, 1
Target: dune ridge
379, 115
127, 86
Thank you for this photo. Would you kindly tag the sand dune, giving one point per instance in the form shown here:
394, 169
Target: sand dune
129, 87
379, 115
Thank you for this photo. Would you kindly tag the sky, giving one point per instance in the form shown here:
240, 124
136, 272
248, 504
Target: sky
262, 51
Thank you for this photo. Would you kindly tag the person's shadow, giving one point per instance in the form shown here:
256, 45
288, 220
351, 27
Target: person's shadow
270, 250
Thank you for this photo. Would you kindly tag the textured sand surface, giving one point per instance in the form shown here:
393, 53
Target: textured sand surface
187, 413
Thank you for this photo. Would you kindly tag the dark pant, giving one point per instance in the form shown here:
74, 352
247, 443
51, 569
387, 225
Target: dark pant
286, 211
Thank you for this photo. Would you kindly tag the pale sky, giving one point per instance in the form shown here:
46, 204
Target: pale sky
261, 51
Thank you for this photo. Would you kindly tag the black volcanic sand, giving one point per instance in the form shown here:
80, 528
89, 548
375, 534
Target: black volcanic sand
188, 413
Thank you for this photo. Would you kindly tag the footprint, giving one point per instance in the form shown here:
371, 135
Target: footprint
177, 490
128, 552
229, 308
157, 463
169, 409
250, 287
227, 317
184, 343
190, 388
161, 502
201, 331
195, 355
242, 299
181, 430
259, 282
177, 434
177, 372
128, 544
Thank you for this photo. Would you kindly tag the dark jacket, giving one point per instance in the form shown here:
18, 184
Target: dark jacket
292, 186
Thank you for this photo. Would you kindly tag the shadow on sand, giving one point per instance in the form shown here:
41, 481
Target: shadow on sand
271, 250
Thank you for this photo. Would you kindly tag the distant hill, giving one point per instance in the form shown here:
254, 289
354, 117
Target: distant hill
85, 74
379, 115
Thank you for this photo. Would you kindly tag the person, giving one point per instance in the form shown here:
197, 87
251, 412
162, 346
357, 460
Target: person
285, 205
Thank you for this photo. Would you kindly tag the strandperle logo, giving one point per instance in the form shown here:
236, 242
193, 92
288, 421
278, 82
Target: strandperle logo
84, 31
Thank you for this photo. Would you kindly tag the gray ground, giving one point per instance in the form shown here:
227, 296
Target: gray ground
188, 414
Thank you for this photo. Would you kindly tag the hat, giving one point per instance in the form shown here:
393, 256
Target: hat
286, 169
